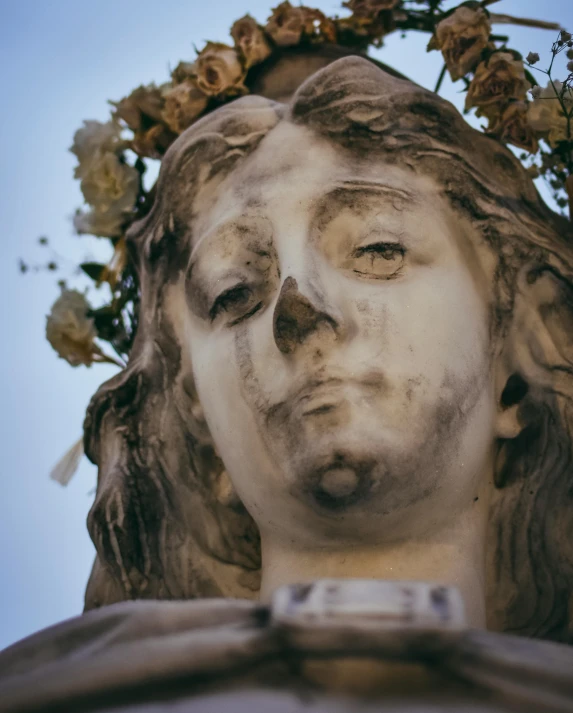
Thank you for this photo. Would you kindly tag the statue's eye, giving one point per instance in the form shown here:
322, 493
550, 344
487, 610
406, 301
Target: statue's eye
383, 260
238, 302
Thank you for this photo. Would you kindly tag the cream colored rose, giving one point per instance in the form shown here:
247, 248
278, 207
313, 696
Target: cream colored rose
462, 37
250, 40
106, 224
369, 8
183, 104
69, 329
546, 115
497, 81
93, 138
287, 25
512, 127
109, 184
219, 70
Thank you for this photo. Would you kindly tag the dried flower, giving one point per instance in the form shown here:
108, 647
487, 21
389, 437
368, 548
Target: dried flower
154, 142
570, 66
546, 116
219, 70
369, 8
106, 224
496, 81
109, 183
93, 139
532, 58
250, 40
141, 109
183, 71
533, 171
183, 104
288, 25
69, 329
462, 37
115, 267
68, 464
513, 127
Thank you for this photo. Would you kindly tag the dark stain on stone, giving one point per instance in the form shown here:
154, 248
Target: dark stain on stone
295, 318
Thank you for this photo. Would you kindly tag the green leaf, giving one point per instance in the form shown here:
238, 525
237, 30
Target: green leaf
93, 270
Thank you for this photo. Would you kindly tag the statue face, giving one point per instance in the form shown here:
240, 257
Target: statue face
338, 328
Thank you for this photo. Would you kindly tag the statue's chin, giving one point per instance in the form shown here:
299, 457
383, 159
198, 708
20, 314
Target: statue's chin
364, 483
341, 482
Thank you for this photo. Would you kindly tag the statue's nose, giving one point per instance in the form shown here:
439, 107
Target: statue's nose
296, 318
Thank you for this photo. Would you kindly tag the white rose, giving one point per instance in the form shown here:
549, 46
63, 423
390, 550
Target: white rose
93, 138
109, 184
545, 114
70, 331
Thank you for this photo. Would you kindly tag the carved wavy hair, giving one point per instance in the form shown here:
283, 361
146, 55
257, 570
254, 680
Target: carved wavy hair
165, 522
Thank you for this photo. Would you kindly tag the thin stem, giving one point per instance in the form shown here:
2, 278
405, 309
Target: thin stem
440, 79
537, 69
106, 359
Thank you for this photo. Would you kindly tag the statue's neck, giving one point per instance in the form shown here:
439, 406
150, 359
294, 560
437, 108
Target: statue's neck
451, 555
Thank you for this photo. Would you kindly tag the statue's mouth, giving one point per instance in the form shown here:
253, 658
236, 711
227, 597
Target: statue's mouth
319, 398
322, 393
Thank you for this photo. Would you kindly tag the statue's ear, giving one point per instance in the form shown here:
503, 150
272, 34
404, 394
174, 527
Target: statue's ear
508, 423
535, 358
530, 559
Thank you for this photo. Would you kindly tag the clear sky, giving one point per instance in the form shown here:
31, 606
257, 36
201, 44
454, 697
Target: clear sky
61, 61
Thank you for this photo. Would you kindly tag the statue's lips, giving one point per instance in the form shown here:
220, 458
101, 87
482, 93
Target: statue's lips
322, 392
317, 399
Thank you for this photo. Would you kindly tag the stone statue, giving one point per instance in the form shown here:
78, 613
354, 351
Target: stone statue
353, 364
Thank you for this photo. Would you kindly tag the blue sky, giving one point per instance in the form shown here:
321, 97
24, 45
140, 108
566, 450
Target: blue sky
61, 62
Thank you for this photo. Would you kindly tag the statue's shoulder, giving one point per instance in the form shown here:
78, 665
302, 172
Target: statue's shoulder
126, 646
322, 647
538, 673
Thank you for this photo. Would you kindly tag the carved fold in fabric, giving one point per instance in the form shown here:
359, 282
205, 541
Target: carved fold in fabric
158, 656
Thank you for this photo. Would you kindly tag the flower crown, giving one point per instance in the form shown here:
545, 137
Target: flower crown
144, 124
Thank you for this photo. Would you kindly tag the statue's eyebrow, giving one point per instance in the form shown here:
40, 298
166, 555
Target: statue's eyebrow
347, 193
235, 225
371, 185
210, 234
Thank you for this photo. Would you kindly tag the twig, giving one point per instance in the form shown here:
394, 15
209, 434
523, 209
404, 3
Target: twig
440, 79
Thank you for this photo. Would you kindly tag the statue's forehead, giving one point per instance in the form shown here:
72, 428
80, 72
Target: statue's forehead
287, 157
294, 169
